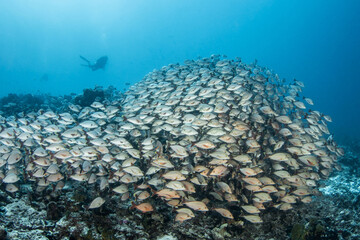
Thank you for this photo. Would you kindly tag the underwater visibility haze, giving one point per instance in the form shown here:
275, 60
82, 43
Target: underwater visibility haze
154, 111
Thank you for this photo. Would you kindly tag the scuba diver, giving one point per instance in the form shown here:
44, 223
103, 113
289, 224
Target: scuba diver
99, 64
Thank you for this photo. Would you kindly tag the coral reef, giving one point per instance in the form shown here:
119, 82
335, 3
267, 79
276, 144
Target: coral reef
20, 104
332, 215
89, 96
15, 103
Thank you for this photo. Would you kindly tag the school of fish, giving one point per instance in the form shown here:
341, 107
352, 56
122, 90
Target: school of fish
212, 134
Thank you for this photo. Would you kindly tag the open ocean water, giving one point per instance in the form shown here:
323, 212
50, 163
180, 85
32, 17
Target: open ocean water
93, 93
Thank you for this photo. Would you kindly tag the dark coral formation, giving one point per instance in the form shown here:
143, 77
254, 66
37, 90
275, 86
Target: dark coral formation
89, 96
15, 103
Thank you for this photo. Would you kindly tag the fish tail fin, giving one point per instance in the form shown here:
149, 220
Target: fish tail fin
132, 205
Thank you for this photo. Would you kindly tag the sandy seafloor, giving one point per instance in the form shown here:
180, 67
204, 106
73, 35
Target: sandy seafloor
334, 214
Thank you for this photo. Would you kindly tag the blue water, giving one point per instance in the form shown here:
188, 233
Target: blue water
317, 42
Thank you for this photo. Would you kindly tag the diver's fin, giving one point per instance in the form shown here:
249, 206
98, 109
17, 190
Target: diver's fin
85, 59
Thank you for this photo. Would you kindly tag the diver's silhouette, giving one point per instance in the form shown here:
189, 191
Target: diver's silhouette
99, 64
